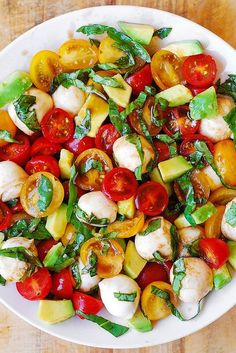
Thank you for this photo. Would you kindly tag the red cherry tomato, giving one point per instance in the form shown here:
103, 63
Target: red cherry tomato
187, 146
163, 151
65, 184
152, 272
62, 284
37, 286
151, 198
167, 266
44, 246
86, 303
17, 207
16, 152
214, 251
42, 163
119, 184
105, 138
199, 70
5, 216
45, 147
196, 90
140, 79
179, 120
57, 126
78, 146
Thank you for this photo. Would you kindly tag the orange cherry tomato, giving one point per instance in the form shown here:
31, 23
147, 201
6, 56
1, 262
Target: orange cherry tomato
213, 224
108, 53
225, 159
222, 196
129, 227
6, 124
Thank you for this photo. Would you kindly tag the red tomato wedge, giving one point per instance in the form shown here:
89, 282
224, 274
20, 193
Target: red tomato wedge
152, 272
5, 216
17, 208
43, 163
119, 184
162, 150
140, 79
214, 251
86, 303
199, 70
151, 198
44, 246
62, 284
37, 286
57, 126
78, 146
45, 147
187, 146
105, 138
17, 152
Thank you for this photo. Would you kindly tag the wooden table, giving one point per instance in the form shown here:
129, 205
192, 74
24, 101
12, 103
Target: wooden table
15, 18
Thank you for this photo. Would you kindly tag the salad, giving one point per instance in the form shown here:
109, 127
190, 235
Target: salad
118, 178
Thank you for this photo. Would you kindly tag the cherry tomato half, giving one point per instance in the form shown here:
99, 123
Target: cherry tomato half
44, 246
196, 90
187, 146
57, 126
43, 163
86, 303
152, 271
16, 152
17, 208
179, 120
62, 284
105, 138
163, 151
151, 198
77, 146
119, 184
45, 147
140, 79
5, 216
214, 251
6, 124
199, 70
37, 286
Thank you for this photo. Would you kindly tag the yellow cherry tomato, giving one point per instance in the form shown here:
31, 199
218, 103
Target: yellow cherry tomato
225, 159
129, 227
30, 196
6, 124
78, 54
108, 73
108, 53
44, 67
69, 236
110, 263
166, 69
222, 196
154, 307
213, 224
153, 46
93, 178
200, 184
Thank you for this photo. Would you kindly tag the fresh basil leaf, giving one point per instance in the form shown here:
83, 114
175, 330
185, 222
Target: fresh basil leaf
23, 107
76, 274
149, 90
45, 191
105, 247
12, 202
125, 297
83, 129
152, 227
167, 139
135, 140
7, 136
91, 219
162, 103
193, 248
174, 241
186, 186
228, 87
230, 119
103, 232
106, 67
67, 76
158, 257
80, 84
106, 81
2, 281
179, 273
125, 61
90, 163
113, 328
94, 42
80, 227
120, 217
91, 268
22, 254
230, 215
30, 229
94, 29
138, 103
162, 32
195, 159
72, 193
120, 124
144, 127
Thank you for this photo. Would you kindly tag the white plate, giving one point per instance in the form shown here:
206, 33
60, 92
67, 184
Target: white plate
49, 35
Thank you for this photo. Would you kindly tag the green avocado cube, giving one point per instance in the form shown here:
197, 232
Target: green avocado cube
200, 215
185, 48
221, 277
173, 168
54, 311
232, 250
140, 322
176, 95
57, 221
133, 263
141, 33
204, 105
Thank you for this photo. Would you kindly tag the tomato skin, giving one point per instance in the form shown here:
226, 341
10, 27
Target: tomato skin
214, 251
152, 272
187, 146
77, 146
44, 246
37, 286
163, 151
6, 124
140, 79
225, 160
57, 126
86, 303
167, 266
196, 90
119, 184
62, 284
151, 198
5, 216
105, 138
42, 163
17, 208
178, 120
16, 152
45, 147
199, 70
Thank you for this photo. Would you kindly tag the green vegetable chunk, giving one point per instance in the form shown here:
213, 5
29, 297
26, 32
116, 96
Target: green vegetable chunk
125, 297
228, 87
204, 105
45, 191
23, 106
141, 33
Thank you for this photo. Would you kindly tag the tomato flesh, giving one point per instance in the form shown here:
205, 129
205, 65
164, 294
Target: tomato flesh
179, 120
214, 251
105, 138
78, 146
152, 272
45, 147
44, 246
162, 150
86, 303
187, 146
140, 79
16, 152
62, 284
43, 163
5, 216
17, 208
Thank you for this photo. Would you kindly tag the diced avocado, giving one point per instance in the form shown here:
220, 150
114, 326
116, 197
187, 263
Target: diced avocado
54, 311
176, 95
139, 32
127, 207
133, 263
140, 322
221, 277
57, 222
155, 175
204, 105
14, 86
122, 242
173, 168
232, 256
53, 255
185, 48
120, 96
65, 163
99, 110
200, 215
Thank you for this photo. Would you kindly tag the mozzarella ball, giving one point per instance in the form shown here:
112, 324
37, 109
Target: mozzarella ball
12, 177
198, 281
216, 128
87, 282
119, 284
159, 240
13, 269
69, 99
212, 178
228, 231
99, 205
126, 154
43, 104
187, 236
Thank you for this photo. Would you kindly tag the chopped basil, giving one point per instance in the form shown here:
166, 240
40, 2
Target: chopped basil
72, 193
91, 268
105, 247
174, 241
30, 229
158, 257
230, 119
80, 84
106, 67
125, 297
228, 87
120, 217
195, 159
144, 127
66, 76
91, 219
179, 274
138, 103
81, 228
120, 124
193, 248
186, 186
2, 281
90, 163
12, 202
7, 136
23, 107
105, 234
162, 103
94, 42
22, 254
113, 328
170, 142
151, 91
76, 274
83, 129
45, 191
106, 81
162, 32
152, 227
135, 140
230, 215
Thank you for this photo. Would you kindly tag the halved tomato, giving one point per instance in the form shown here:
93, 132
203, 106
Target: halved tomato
43, 163
129, 227
187, 146
105, 138
16, 152
45, 147
5, 216
214, 251
77, 146
6, 124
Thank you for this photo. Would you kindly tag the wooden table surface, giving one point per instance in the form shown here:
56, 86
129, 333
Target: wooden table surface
15, 18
